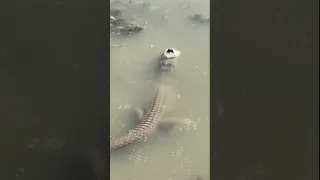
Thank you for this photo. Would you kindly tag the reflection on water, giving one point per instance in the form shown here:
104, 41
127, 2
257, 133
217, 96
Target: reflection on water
184, 152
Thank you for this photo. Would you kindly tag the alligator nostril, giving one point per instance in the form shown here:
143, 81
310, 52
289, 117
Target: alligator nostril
170, 51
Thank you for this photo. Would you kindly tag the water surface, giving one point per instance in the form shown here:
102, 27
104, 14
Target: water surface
184, 153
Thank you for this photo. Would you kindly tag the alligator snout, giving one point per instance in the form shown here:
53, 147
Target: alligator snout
170, 53
168, 59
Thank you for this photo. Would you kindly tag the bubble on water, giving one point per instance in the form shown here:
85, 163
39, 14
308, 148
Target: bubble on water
189, 124
127, 106
179, 151
174, 171
145, 160
135, 155
145, 139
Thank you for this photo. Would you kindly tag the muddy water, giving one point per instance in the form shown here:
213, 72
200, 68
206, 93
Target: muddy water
184, 152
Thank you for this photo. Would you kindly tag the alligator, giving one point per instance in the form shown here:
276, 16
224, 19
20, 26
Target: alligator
153, 116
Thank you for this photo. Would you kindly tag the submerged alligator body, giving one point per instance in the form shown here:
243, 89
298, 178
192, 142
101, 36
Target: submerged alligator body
154, 114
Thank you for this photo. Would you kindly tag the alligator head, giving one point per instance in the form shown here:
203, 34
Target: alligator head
168, 59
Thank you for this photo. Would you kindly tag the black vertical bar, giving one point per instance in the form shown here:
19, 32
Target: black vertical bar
54, 80
266, 55
216, 77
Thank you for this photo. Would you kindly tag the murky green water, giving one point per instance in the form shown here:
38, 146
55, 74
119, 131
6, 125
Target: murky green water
184, 153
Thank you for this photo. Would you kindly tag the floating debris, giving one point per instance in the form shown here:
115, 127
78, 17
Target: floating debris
112, 19
121, 26
199, 18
